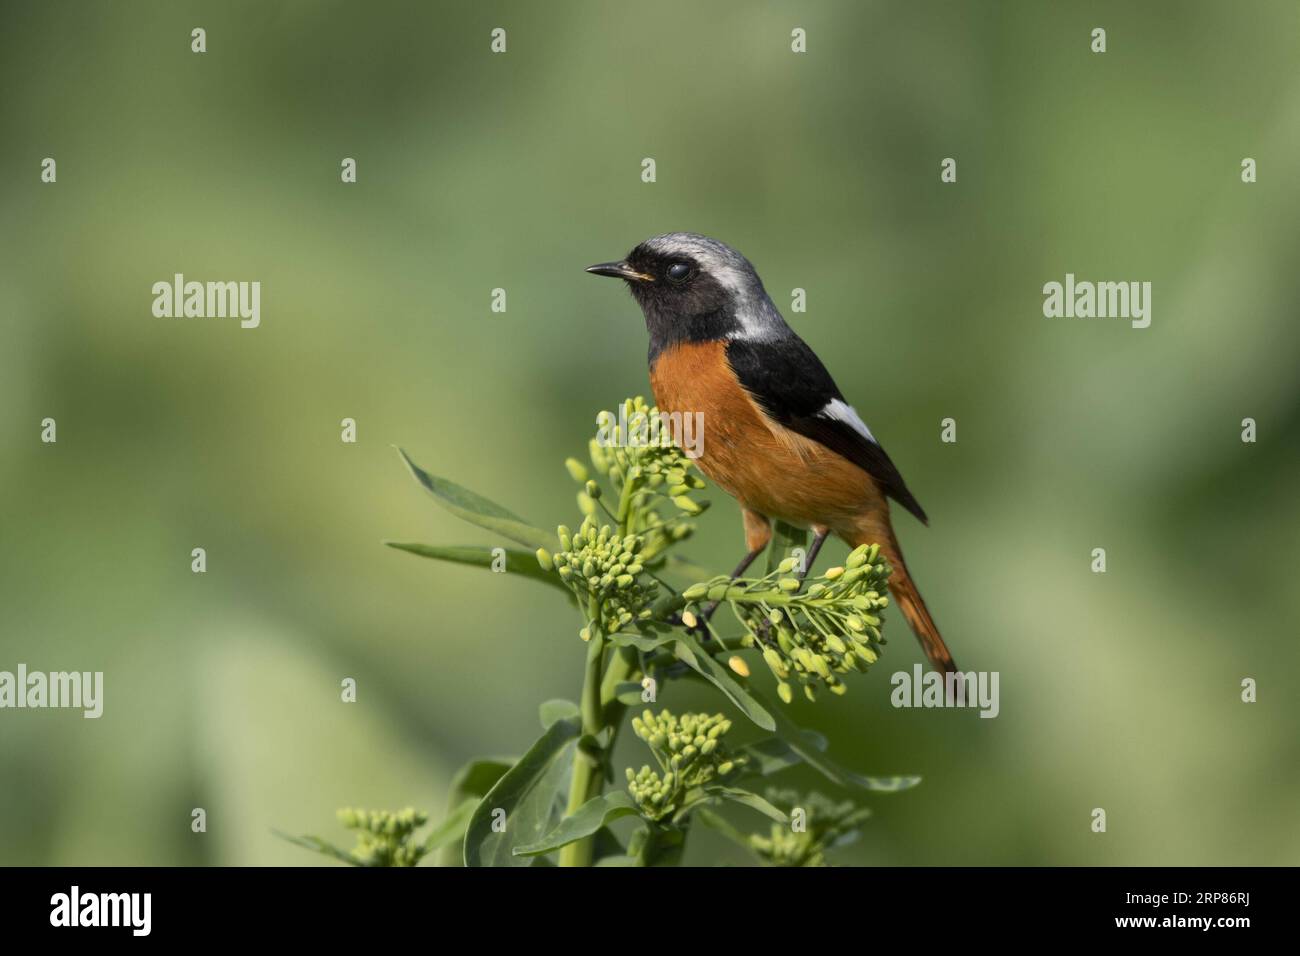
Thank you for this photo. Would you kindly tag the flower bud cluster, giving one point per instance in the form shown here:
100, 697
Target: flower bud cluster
634, 452
690, 751
814, 635
382, 836
823, 823
605, 572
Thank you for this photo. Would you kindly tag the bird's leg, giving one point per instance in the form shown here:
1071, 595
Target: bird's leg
819, 538
702, 619
758, 532
741, 568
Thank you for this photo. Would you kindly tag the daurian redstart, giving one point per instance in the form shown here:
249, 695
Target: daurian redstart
779, 435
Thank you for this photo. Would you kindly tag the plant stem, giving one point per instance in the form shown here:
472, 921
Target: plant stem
599, 710
587, 779
589, 763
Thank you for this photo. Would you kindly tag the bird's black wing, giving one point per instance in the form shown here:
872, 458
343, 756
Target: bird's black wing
791, 384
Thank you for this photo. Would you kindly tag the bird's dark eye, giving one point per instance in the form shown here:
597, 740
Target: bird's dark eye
679, 271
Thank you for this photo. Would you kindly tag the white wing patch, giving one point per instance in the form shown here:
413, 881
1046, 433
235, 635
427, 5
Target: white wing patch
843, 412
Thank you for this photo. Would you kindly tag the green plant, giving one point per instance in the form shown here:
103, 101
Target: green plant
644, 624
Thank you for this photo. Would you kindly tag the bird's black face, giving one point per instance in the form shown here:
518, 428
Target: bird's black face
687, 291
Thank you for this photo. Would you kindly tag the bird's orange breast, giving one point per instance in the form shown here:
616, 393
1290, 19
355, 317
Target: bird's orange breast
767, 467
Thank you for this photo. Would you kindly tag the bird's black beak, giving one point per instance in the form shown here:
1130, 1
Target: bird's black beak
619, 270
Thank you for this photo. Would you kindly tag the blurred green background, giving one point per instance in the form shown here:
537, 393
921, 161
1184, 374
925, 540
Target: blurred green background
477, 171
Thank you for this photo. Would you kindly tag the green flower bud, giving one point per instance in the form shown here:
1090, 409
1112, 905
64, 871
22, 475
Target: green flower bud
775, 663
544, 559
593, 491
576, 469
784, 692
687, 505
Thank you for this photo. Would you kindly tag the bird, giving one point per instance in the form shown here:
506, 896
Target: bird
779, 435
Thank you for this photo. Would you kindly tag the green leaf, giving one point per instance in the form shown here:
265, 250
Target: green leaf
586, 820
686, 648
772, 754
605, 844
522, 563
657, 844
850, 826
478, 510
557, 709
529, 793
768, 756
316, 844
470, 784
805, 745
784, 538
715, 822
642, 642
451, 830
751, 800
629, 693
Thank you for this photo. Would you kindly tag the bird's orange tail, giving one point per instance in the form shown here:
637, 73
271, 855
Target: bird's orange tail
909, 601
